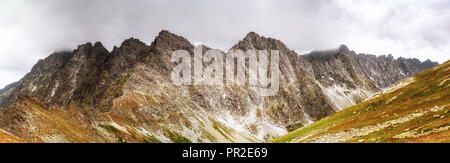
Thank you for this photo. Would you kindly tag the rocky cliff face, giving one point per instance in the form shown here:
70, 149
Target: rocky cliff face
92, 95
84, 75
348, 78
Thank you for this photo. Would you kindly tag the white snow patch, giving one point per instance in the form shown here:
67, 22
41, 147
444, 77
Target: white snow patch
34, 88
308, 118
54, 89
401, 72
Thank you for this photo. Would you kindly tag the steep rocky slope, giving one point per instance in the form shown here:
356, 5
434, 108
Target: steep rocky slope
416, 109
92, 95
348, 78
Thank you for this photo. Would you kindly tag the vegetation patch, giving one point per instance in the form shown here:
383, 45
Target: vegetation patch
223, 130
151, 139
293, 127
176, 138
110, 129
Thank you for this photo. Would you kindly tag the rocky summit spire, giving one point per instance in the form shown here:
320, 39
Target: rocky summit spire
252, 36
343, 49
255, 41
169, 41
133, 42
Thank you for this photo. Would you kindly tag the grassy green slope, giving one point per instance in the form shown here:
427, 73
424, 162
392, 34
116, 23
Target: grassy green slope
414, 110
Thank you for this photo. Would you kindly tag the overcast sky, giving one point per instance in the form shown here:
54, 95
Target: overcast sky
32, 29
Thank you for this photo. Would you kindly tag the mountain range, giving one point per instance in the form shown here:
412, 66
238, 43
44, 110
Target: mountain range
91, 94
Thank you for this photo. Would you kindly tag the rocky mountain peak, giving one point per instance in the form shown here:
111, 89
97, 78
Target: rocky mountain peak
88, 50
254, 41
53, 61
429, 63
130, 46
169, 41
87, 45
133, 42
98, 44
164, 32
343, 49
251, 36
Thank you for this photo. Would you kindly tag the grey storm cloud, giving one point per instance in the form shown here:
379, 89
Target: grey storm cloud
31, 30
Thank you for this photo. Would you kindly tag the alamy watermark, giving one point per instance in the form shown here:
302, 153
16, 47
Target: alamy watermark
263, 69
